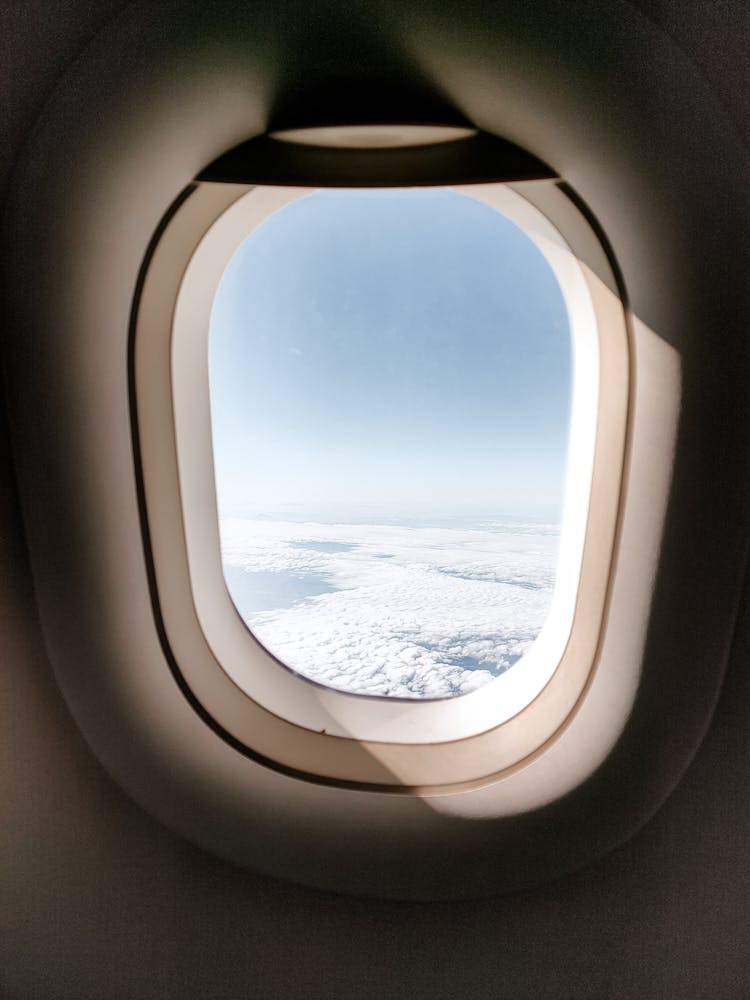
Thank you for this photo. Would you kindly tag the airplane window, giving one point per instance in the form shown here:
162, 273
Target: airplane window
390, 387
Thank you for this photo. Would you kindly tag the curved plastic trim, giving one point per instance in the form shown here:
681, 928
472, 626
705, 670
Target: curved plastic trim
273, 711
478, 158
117, 142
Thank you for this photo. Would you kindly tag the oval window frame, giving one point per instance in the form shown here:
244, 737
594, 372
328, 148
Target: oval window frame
362, 746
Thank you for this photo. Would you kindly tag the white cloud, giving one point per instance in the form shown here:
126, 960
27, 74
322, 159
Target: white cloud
413, 612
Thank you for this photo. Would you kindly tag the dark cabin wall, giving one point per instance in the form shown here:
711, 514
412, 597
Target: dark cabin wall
99, 901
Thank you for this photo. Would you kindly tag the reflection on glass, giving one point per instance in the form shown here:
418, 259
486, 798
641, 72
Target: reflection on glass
390, 380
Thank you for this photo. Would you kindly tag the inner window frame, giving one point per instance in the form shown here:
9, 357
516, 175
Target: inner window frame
580, 417
401, 728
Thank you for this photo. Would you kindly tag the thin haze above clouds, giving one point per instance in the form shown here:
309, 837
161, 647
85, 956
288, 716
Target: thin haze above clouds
400, 348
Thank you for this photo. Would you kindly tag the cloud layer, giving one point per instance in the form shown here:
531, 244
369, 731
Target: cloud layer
415, 612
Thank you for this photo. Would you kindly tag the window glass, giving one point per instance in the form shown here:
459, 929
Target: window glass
390, 380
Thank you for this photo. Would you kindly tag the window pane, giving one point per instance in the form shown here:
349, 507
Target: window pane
390, 387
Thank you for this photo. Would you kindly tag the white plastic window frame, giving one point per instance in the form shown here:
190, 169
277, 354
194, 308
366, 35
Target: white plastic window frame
286, 719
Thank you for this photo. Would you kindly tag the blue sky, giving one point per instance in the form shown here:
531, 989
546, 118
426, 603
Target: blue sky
404, 351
